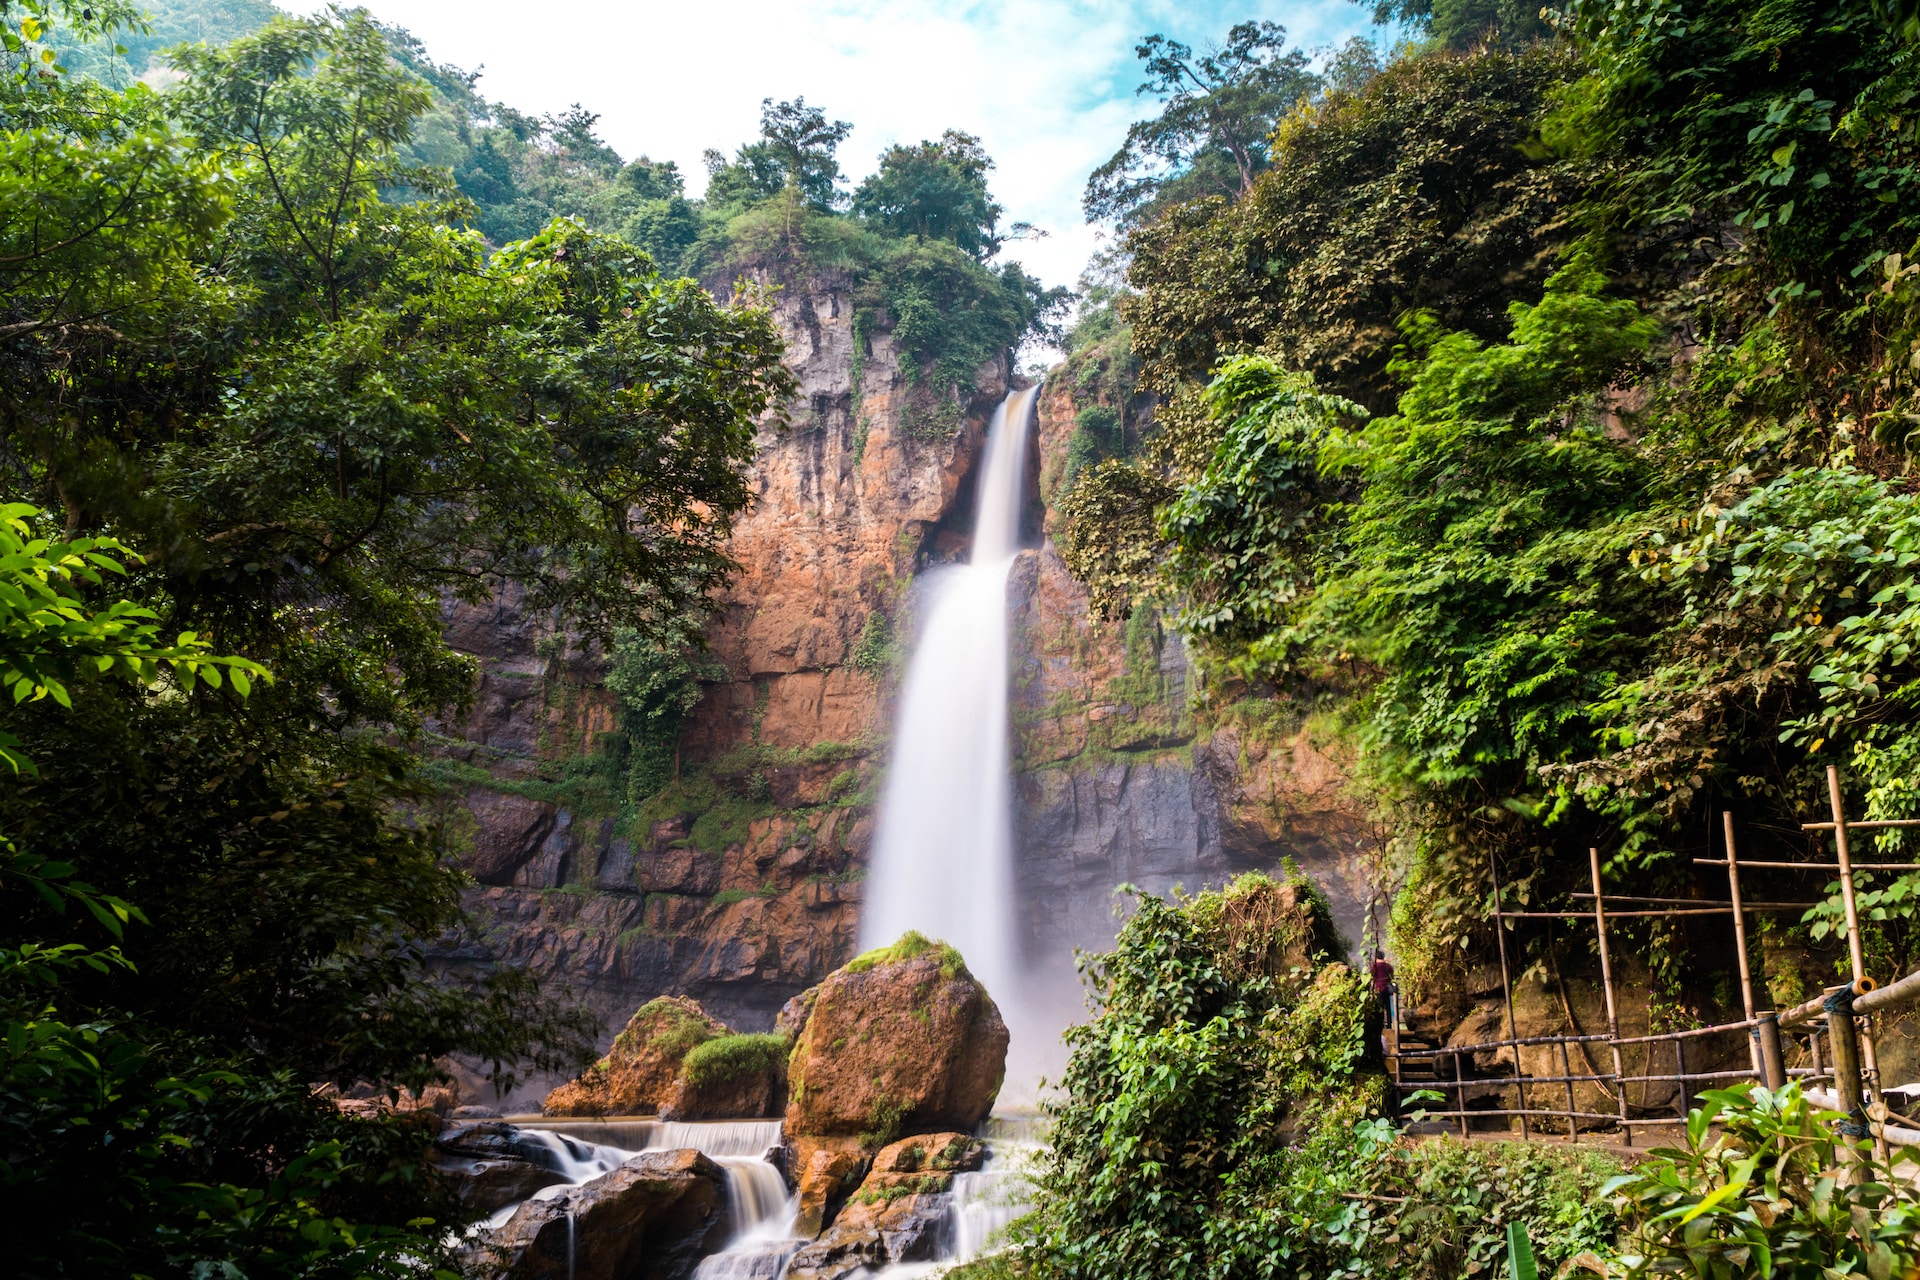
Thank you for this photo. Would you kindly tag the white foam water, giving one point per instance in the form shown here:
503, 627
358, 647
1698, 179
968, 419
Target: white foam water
755, 1189
943, 840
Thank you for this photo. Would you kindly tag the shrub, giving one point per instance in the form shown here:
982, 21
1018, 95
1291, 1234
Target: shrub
728, 1058
911, 946
1764, 1185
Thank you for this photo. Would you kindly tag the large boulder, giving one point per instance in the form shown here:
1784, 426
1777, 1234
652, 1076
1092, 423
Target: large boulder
901, 1040
653, 1218
490, 1165
638, 1074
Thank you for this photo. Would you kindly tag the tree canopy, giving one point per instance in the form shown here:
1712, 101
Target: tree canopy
934, 189
244, 332
795, 149
1211, 136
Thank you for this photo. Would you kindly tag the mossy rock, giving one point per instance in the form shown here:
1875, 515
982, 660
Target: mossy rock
901, 1040
639, 1074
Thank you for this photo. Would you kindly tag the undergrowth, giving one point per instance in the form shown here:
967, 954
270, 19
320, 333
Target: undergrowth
728, 1058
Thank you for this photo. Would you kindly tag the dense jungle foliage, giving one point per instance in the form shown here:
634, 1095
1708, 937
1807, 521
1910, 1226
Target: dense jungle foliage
1221, 1118
1544, 411
270, 402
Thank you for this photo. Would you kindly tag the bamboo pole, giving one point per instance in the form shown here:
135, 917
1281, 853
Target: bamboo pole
1869, 1058
1773, 1066
1740, 941
1506, 990
1841, 847
1566, 1069
1842, 1039
1606, 978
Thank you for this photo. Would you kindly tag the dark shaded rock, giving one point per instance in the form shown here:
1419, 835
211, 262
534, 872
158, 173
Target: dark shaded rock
490, 1166
653, 1218
874, 1233
511, 831
791, 1021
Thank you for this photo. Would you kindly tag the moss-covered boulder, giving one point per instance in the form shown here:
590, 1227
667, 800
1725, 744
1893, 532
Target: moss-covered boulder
638, 1075
901, 1040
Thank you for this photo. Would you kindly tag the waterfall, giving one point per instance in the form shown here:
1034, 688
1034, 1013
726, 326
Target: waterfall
943, 843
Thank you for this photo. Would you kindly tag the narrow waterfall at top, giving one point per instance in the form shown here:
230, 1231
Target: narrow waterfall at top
943, 845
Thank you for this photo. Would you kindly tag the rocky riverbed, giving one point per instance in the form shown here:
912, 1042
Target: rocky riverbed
891, 1068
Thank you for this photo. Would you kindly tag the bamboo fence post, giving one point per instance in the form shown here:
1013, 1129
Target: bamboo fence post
1869, 1059
1460, 1091
1854, 952
1740, 944
1680, 1070
1506, 990
1566, 1069
1606, 978
1843, 1040
1773, 1065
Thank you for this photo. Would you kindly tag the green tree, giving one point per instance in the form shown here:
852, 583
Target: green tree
1211, 136
1460, 25
935, 189
795, 150
322, 409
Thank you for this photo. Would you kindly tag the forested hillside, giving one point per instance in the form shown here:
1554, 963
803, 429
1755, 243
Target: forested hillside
1539, 410
1544, 411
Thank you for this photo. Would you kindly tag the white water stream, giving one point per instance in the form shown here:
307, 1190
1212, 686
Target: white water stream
943, 843
583, 1150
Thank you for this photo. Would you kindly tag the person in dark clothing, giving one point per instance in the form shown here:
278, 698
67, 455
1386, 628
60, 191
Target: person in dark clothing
1382, 985
1382, 973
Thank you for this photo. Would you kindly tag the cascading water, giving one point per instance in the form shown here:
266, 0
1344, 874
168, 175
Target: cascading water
943, 843
583, 1151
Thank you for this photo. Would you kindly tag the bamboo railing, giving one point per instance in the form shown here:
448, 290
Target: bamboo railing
1843, 1015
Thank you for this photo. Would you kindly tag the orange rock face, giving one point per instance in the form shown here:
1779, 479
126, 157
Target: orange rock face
639, 1074
847, 499
901, 1046
747, 890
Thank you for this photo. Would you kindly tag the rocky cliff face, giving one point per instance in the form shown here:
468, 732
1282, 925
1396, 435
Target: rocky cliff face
741, 884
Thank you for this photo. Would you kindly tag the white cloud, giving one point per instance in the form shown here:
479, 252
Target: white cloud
1047, 84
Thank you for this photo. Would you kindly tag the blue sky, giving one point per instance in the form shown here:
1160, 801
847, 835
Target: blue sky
1047, 84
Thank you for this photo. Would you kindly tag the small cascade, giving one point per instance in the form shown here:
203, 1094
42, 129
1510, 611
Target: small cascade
763, 1213
717, 1138
758, 1193
627, 1135
575, 1158
763, 1217
984, 1204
